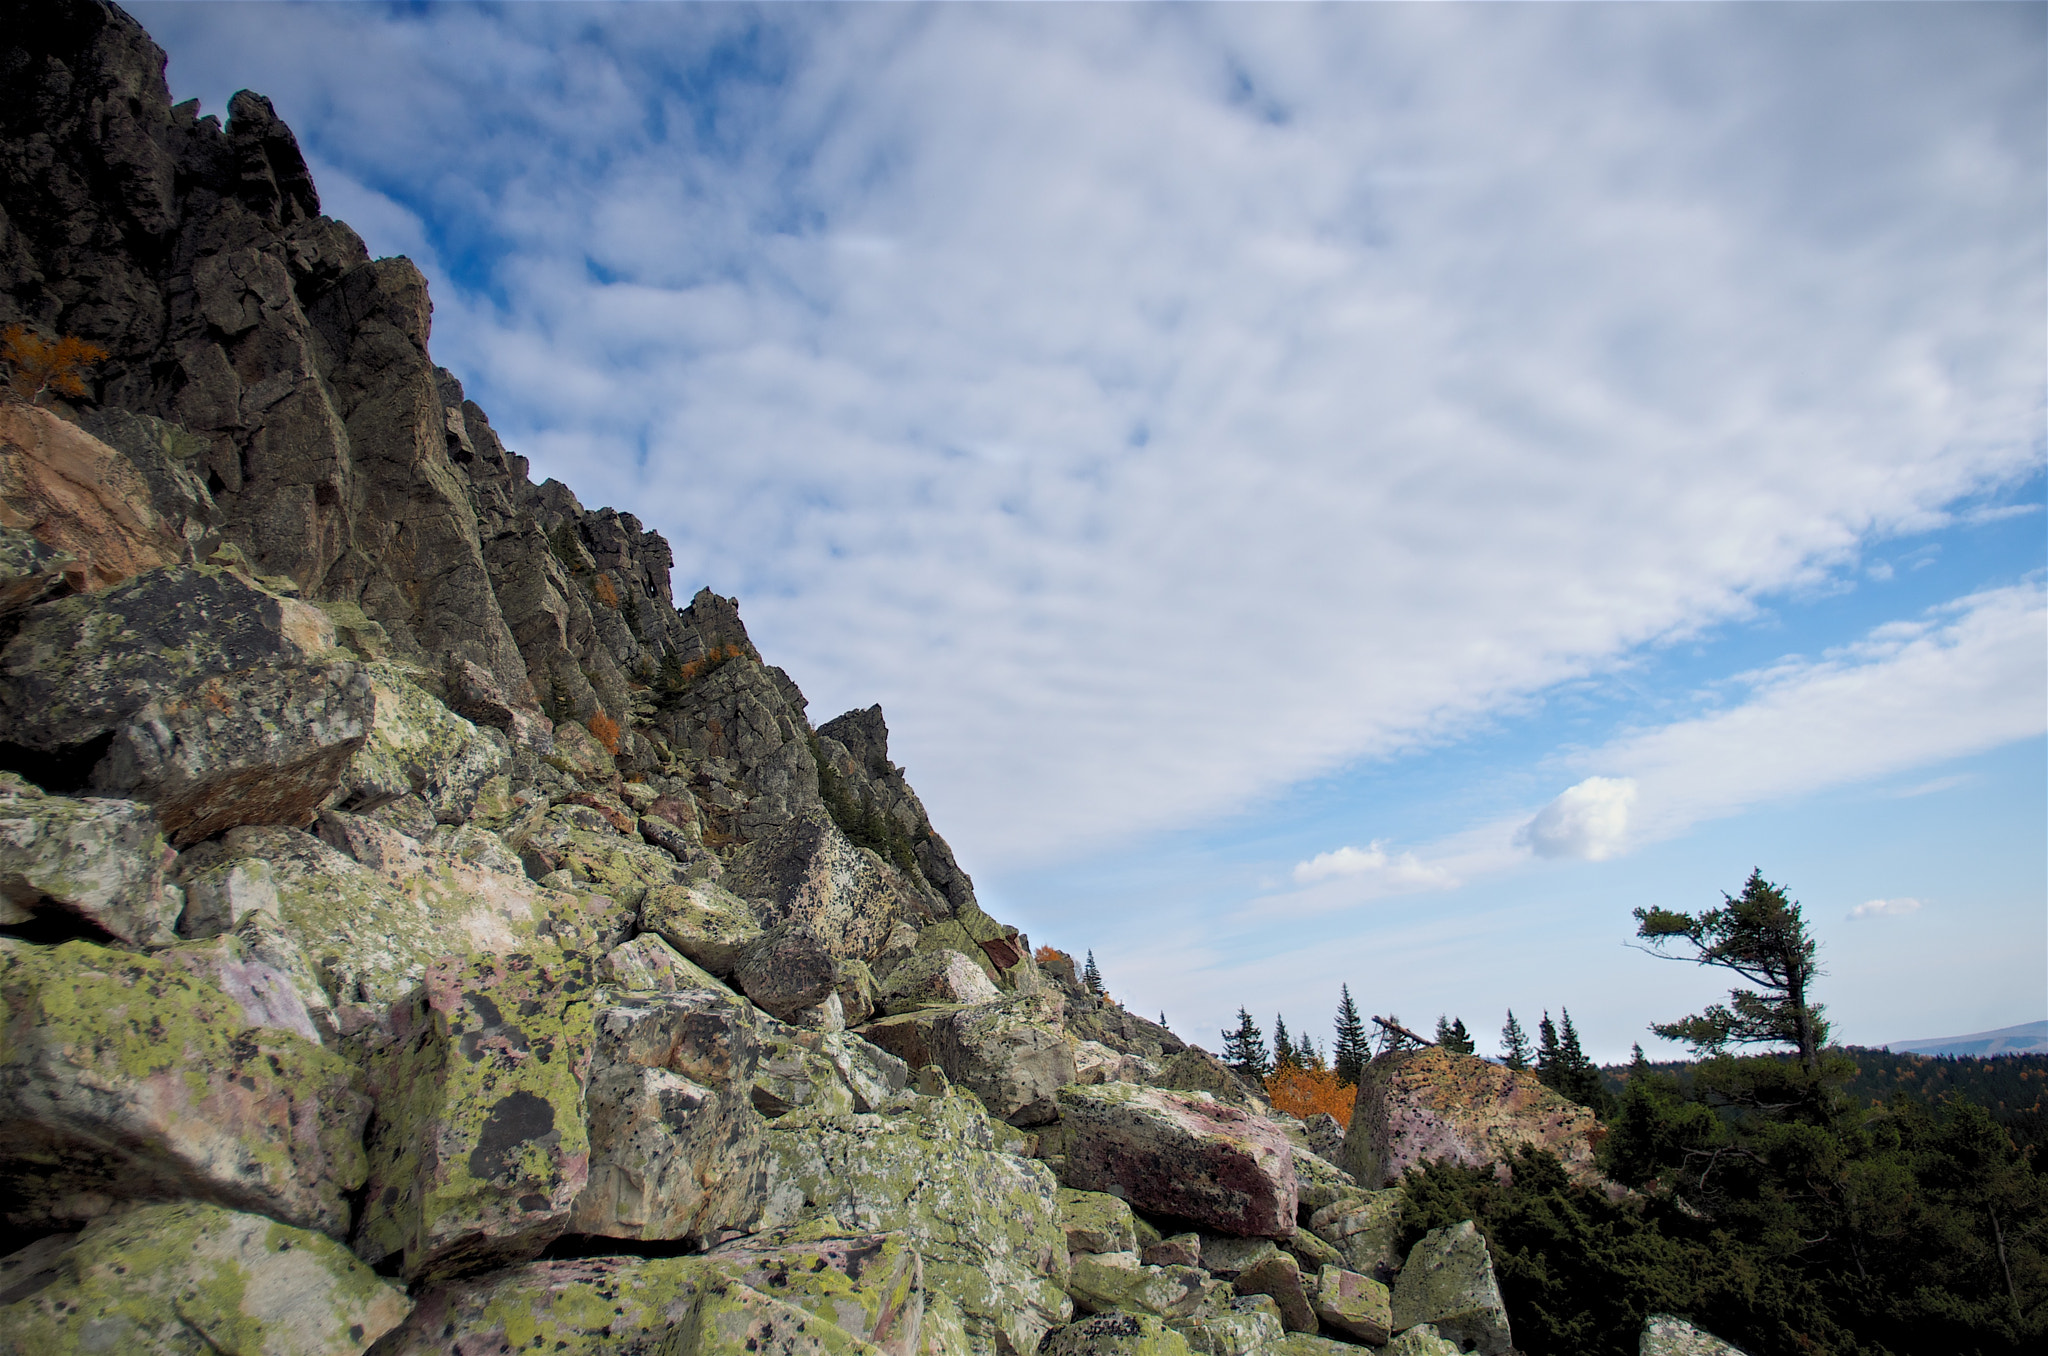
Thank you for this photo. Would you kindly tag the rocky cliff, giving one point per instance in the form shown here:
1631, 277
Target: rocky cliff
418, 933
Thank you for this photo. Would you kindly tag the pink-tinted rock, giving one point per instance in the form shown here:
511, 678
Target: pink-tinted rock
1189, 1157
478, 1150
1356, 1305
1433, 1104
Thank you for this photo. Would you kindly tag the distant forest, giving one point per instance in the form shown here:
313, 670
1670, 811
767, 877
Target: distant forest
2013, 1088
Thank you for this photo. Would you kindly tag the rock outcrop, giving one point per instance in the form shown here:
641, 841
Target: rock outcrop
1420, 1106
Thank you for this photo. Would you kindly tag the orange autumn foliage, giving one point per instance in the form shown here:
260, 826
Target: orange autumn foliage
40, 365
1047, 953
605, 731
606, 594
1304, 1092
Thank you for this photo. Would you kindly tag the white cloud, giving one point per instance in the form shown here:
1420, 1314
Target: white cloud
1588, 821
1239, 393
1401, 871
1884, 908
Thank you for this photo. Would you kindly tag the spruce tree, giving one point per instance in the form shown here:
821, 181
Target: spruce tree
1443, 1029
1349, 1052
1578, 1077
1546, 1052
1514, 1045
1284, 1054
1245, 1048
1457, 1038
1091, 978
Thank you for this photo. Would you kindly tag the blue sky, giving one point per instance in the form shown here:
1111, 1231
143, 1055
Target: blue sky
1361, 494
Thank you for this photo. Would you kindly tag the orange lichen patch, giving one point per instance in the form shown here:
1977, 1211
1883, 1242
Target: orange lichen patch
1304, 1092
606, 594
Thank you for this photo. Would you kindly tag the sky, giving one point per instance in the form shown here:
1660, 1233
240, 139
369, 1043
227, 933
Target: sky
1325, 495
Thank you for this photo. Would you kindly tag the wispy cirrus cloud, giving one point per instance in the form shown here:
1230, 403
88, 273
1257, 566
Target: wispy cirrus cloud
1885, 908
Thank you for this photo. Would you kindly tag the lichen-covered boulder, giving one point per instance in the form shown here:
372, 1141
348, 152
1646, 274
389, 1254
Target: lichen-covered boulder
1421, 1340
221, 893
1013, 1054
732, 1318
258, 746
792, 1074
1356, 1305
1421, 1106
415, 745
80, 666
98, 861
1095, 1221
579, 840
595, 1306
1095, 1062
1177, 1250
807, 870
1170, 1153
1227, 1255
1448, 1281
647, 964
1364, 1226
1670, 1335
1247, 1326
986, 1223
704, 921
936, 978
478, 1149
1115, 1335
790, 969
909, 1036
1118, 1282
139, 1077
1318, 1181
870, 1287
675, 1142
1325, 1136
577, 752
1196, 1070
373, 930
198, 1279
875, 1077
1277, 1274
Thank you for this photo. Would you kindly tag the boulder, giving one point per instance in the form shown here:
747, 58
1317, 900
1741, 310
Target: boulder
578, 753
986, 1222
133, 1077
1325, 1136
675, 1142
1308, 1344
1421, 1340
791, 968
417, 746
791, 1075
706, 922
594, 1306
732, 1318
1194, 1069
807, 870
1669, 1335
939, 978
1448, 1282
1115, 1335
189, 1277
1422, 1106
1320, 1181
78, 667
258, 746
1228, 1255
1117, 1282
474, 693
478, 1149
1250, 1326
79, 497
1312, 1252
97, 862
1095, 1221
870, 1287
857, 990
1190, 1157
1095, 1062
1355, 1305
1181, 1250
875, 1077
647, 964
1278, 1275
1012, 1054
909, 1037
1364, 1227
581, 841
220, 896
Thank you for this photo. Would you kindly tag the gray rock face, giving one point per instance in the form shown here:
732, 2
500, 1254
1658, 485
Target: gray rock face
1669, 1335
675, 1142
936, 979
262, 746
99, 861
1357, 1306
1169, 1153
1448, 1282
704, 922
856, 745
1012, 1054
806, 870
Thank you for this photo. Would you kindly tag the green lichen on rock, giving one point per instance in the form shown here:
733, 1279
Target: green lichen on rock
1448, 1281
100, 860
871, 1286
986, 1223
417, 746
193, 1278
1421, 1340
598, 1306
478, 1149
138, 1077
732, 1319
1096, 1221
1115, 1335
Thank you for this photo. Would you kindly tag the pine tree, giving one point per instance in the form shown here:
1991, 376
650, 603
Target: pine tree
1245, 1048
1349, 1051
1310, 1055
1514, 1045
1546, 1052
1458, 1039
1162, 1019
1091, 978
1284, 1054
1578, 1078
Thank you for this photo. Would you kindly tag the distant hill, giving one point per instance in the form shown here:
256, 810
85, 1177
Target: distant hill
2028, 1038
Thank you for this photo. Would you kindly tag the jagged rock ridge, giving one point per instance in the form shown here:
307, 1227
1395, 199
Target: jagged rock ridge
418, 933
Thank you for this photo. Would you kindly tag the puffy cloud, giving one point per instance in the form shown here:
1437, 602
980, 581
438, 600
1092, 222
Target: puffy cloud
1588, 821
1398, 870
1884, 908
